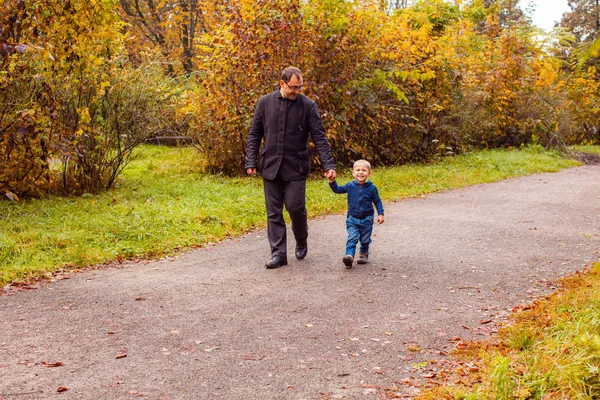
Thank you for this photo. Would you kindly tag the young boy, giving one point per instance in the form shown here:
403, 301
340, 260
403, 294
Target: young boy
362, 194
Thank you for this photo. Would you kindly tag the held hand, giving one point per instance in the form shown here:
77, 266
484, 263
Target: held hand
380, 219
251, 171
330, 174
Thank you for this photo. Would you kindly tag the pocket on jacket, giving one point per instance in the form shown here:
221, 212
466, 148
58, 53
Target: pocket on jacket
261, 162
303, 162
303, 155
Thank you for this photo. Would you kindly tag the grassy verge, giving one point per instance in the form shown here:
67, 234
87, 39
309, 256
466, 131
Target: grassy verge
162, 205
549, 351
588, 149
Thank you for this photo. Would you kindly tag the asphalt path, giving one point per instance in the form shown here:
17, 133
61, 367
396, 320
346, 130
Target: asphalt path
215, 324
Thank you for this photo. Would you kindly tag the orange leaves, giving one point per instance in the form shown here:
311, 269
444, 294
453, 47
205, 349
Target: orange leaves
52, 365
43, 87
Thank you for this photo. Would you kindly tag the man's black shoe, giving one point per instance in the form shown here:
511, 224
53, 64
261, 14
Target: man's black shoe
301, 251
276, 262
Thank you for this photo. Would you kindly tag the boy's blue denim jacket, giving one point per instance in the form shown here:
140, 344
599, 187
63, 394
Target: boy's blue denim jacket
360, 198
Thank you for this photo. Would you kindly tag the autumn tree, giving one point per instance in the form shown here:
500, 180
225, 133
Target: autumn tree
505, 80
240, 59
583, 19
360, 65
167, 27
71, 110
395, 81
582, 81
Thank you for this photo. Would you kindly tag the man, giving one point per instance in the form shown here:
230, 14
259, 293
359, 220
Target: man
284, 119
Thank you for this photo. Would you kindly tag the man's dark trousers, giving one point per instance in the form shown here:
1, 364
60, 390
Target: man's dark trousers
292, 195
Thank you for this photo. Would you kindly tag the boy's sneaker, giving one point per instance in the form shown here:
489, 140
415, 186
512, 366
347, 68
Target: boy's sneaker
348, 259
363, 258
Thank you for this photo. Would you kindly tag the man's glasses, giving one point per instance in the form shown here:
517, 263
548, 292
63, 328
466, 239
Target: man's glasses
294, 88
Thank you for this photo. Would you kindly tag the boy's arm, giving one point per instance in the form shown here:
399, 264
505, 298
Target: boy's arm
378, 205
377, 201
337, 189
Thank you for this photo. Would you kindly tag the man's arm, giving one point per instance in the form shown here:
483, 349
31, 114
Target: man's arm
254, 138
317, 132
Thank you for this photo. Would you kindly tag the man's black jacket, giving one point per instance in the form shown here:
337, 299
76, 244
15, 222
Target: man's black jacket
285, 125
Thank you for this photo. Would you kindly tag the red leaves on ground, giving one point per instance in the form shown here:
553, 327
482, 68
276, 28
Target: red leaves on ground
52, 365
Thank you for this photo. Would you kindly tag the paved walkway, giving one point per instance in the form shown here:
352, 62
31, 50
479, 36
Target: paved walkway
214, 323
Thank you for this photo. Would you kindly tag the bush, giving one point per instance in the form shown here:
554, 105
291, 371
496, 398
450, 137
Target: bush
71, 110
361, 65
135, 106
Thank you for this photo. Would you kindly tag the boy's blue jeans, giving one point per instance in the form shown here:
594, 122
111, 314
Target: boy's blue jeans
359, 229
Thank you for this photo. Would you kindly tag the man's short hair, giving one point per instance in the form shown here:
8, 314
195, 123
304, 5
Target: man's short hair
287, 74
365, 163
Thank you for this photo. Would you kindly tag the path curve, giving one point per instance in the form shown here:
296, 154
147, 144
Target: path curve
215, 324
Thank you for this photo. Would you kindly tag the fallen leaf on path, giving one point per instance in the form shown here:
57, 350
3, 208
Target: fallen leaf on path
136, 393
50, 365
123, 355
485, 321
61, 389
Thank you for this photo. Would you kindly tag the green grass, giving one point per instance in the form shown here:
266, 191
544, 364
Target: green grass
588, 149
161, 204
550, 351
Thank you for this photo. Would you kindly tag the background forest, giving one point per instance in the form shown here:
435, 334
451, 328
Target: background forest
83, 82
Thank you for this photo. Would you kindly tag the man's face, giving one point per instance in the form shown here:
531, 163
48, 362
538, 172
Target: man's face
291, 89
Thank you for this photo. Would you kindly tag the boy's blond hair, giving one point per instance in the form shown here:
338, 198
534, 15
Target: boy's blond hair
362, 162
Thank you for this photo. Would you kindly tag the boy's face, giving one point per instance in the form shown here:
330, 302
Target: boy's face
361, 173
